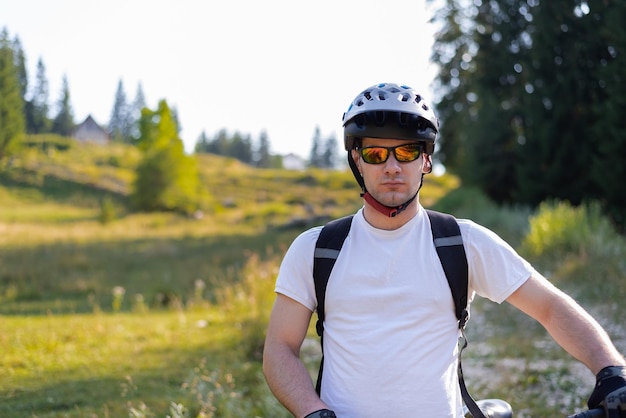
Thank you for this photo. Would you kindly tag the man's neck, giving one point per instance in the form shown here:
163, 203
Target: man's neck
382, 221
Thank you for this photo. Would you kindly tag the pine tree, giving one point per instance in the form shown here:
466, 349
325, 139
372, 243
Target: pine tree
241, 148
329, 157
12, 123
202, 143
609, 107
263, 157
20, 65
315, 156
37, 117
135, 113
531, 98
64, 121
120, 122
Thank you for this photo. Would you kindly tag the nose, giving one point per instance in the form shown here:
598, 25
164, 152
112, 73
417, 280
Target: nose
392, 165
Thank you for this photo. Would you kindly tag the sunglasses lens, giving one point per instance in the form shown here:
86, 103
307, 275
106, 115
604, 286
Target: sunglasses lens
375, 155
407, 153
403, 153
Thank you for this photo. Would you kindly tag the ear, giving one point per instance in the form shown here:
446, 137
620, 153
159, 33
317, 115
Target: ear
427, 165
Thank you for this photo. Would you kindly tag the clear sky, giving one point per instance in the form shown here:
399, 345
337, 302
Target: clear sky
279, 66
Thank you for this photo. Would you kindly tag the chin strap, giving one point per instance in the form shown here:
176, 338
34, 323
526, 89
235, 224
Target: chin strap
387, 210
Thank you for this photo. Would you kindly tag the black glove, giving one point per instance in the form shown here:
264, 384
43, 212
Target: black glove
610, 391
322, 413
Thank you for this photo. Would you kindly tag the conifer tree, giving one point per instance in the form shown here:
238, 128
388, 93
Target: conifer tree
263, 157
120, 122
64, 121
135, 112
20, 65
315, 156
38, 120
329, 156
532, 99
12, 123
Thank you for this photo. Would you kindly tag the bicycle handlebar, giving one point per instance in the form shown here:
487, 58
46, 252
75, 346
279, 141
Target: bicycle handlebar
592, 413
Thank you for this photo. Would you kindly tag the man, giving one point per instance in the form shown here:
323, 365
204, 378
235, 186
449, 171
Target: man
390, 331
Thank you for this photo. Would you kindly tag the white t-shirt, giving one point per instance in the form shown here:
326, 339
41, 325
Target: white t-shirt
390, 334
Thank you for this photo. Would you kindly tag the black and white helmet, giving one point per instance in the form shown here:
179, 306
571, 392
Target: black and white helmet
392, 111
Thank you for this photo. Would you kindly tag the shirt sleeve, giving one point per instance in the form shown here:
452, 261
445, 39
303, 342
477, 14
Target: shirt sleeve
496, 270
295, 276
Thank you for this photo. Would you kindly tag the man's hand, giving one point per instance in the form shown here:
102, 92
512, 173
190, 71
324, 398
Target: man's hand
610, 392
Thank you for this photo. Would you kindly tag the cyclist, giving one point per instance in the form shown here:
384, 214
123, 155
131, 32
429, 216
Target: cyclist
390, 335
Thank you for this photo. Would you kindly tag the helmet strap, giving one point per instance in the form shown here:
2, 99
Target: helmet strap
388, 210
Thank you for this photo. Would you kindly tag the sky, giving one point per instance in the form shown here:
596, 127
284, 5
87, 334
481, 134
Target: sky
278, 66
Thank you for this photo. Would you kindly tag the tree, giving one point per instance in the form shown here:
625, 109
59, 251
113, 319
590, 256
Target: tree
20, 65
530, 98
37, 119
64, 121
241, 147
202, 143
315, 156
120, 124
263, 157
238, 145
167, 178
12, 123
608, 110
135, 112
329, 156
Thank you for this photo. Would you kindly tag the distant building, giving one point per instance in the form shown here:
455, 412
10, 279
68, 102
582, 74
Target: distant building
293, 162
90, 131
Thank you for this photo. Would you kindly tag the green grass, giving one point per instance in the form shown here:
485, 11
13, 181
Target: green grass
186, 332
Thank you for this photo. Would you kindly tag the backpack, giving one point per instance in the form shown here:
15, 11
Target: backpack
449, 245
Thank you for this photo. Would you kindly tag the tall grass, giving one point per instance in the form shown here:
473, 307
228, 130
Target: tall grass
579, 248
105, 313
511, 356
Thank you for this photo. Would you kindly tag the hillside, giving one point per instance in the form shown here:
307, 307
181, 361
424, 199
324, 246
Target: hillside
67, 205
109, 312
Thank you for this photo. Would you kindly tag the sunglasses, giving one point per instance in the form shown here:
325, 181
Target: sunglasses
403, 153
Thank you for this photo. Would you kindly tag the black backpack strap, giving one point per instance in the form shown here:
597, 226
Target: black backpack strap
327, 250
449, 245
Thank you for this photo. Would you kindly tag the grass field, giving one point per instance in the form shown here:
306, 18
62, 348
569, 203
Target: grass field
155, 315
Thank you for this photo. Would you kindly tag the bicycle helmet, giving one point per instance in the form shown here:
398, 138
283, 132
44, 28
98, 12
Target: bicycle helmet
390, 111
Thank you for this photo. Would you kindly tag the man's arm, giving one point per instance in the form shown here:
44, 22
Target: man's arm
285, 373
568, 323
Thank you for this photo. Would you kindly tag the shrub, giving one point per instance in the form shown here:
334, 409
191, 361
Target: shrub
578, 245
559, 229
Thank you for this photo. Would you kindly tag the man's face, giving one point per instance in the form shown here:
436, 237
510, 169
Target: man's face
391, 182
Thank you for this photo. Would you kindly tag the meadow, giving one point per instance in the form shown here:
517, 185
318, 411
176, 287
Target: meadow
109, 313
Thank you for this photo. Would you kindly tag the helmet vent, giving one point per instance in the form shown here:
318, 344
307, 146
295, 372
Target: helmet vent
379, 118
367, 95
405, 97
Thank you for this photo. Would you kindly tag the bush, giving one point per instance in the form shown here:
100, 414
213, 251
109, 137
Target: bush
578, 245
560, 229
107, 210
